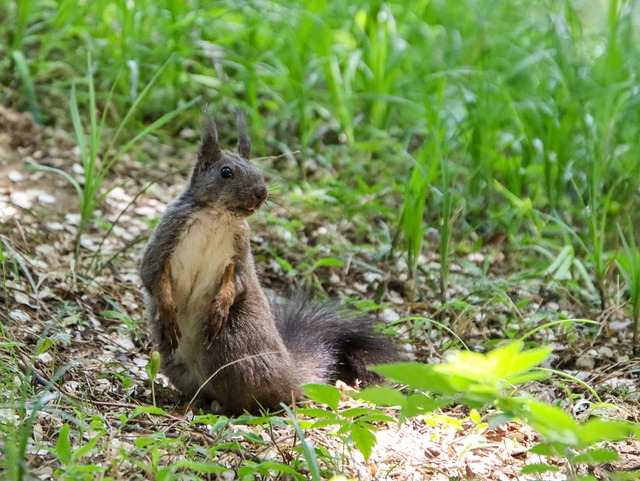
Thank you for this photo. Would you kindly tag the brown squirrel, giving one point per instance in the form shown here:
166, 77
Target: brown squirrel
209, 314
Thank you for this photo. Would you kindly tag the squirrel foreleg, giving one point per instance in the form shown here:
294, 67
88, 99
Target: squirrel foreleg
219, 310
167, 313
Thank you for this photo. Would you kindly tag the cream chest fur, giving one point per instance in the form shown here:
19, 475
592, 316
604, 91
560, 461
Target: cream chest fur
197, 264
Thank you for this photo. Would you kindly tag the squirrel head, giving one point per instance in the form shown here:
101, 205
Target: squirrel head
226, 181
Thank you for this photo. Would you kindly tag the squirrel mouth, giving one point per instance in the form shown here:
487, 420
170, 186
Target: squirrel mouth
245, 211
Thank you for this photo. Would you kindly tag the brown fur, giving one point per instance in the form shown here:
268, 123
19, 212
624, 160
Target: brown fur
208, 312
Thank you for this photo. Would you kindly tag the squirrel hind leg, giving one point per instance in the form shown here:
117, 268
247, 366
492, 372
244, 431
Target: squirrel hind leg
181, 375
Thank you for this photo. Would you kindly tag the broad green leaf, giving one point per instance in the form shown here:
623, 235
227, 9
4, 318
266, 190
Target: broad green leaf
265, 468
596, 430
314, 412
524, 361
87, 448
548, 449
63, 446
418, 376
363, 439
474, 415
625, 476
377, 417
323, 393
321, 423
550, 421
529, 377
356, 412
538, 468
596, 455
380, 396
416, 404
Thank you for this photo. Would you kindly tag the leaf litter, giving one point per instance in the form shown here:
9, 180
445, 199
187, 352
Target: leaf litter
98, 360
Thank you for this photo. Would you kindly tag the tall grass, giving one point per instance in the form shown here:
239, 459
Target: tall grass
629, 266
90, 189
541, 105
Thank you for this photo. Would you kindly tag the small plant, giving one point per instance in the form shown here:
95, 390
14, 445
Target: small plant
153, 368
21, 409
95, 167
353, 426
478, 381
629, 266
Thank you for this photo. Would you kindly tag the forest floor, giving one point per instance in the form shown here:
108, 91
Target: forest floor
97, 348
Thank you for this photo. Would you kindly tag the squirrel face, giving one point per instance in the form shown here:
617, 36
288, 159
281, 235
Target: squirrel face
226, 181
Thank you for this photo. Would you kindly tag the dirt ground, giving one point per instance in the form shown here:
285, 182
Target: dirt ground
91, 310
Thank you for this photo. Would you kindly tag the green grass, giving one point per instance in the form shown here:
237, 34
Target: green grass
433, 129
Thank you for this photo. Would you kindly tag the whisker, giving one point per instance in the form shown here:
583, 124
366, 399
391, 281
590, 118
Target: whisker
281, 206
279, 156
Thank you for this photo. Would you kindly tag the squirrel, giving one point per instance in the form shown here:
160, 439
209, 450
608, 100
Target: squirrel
220, 337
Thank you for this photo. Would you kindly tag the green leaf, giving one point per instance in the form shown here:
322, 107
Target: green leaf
377, 417
314, 412
596, 455
548, 449
529, 377
538, 468
551, 422
380, 396
356, 412
148, 410
363, 439
597, 430
323, 393
44, 345
328, 262
63, 446
87, 448
307, 448
474, 415
625, 476
265, 468
153, 366
419, 376
416, 404
199, 467
321, 423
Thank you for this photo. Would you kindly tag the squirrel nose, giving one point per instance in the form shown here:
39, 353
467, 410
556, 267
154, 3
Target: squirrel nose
260, 192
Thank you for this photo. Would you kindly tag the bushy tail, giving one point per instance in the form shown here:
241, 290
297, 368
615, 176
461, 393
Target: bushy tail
328, 342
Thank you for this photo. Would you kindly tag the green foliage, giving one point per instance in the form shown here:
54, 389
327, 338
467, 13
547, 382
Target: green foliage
477, 117
457, 106
629, 266
94, 166
152, 369
354, 426
493, 380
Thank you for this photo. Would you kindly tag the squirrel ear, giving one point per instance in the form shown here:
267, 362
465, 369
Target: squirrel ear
244, 144
209, 150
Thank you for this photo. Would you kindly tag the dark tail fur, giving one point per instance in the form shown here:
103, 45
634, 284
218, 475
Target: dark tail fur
322, 331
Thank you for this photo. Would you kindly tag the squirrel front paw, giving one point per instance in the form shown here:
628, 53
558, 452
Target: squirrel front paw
168, 328
218, 314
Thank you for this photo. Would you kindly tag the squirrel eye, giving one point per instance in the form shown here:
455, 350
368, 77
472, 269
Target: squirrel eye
226, 173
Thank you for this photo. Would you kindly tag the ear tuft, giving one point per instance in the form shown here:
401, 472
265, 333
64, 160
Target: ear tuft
209, 150
244, 144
